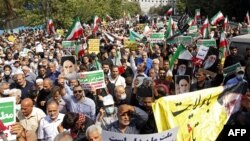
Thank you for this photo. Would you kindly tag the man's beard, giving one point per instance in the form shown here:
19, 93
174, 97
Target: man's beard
208, 64
181, 71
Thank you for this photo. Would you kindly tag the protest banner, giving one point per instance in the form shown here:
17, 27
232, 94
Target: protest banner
94, 46
188, 111
132, 45
244, 30
185, 40
69, 45
8, 115
194, 35
169, 135
157, 37
141, 26
206, 42
92, 78
202, 52
231, 69
60, 32
193, 29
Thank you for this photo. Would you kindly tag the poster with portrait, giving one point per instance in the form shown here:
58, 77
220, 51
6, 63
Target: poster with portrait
68, 64
182, 84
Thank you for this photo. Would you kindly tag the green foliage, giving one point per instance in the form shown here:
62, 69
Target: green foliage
63, 12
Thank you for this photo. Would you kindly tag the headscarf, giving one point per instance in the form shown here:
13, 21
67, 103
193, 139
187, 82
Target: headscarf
78, 126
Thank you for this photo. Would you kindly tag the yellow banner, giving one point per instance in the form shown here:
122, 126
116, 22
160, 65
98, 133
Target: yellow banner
198, 114
132, 45
94, 46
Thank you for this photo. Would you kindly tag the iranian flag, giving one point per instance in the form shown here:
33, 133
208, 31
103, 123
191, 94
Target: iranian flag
197, 14
247, 19
180, 53
75, 31
225, 24
204, 29
96, 21
223, 46
169, 12
169, 31
51, 27
217, 18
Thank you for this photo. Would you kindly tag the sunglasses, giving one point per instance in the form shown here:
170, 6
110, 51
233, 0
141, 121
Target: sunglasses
78, 91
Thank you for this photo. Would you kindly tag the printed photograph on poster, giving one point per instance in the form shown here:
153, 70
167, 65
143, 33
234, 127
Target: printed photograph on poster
68, 64
182, 84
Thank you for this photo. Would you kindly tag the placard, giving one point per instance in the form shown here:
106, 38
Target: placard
169, 135
92, 78
94, 46
206, 42
8, 115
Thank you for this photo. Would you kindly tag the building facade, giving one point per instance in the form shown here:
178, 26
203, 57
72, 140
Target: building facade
147, 4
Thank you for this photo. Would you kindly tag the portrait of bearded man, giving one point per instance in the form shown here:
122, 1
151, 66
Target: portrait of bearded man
212, 60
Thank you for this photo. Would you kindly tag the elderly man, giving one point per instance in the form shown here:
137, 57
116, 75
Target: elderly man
120, 96
29, 116
44, 95
78, 103
29, 76
48, 125
22, 84
4, 88
53, 75
94, 133
130, 120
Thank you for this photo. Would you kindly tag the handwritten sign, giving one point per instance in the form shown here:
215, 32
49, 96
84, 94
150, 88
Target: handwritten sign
157, 37
69, 45
132, 45
168, 135
206, 42
202, 52
8, 115
94, 46
93, 78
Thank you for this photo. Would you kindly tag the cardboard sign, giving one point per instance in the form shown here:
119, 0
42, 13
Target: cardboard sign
206, 42
231, 69
202, 52
157, 37
169, 135
212, 74
244, 30
132, 45
92, 78
69, 45
94, 46
185, 40
193, 29
8, 115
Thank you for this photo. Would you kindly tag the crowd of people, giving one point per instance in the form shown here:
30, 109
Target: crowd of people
54, 106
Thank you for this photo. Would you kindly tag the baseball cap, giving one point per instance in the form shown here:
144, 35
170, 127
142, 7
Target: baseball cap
108, 100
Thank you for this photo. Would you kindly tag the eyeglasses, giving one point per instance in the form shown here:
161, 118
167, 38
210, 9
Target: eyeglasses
78, 91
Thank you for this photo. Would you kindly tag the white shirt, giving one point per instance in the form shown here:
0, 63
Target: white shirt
47, 130
118, 81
